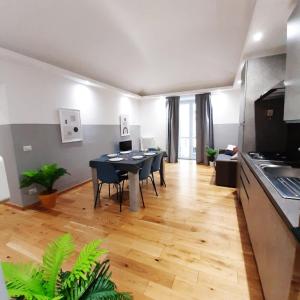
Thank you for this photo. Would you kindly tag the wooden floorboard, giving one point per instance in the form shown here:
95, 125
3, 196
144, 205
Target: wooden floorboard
191, 242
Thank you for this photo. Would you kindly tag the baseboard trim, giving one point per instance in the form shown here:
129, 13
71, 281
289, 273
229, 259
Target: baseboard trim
34, 205
74, 186
19, 207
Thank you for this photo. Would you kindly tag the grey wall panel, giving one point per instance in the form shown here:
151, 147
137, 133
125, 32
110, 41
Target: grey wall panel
47, 147
8, 154
261, 75
225, 134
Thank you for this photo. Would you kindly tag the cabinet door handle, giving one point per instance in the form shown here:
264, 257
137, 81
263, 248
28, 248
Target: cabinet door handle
244, 187
245, 174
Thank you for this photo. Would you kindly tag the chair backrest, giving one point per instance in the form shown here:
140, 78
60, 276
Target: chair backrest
156, 162
107, 173
146, 169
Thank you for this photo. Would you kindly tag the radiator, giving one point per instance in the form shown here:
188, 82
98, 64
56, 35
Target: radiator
4, 191
4, 195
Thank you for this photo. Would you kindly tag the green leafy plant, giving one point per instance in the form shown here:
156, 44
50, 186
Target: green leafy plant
45, 176
211, 153
89, 279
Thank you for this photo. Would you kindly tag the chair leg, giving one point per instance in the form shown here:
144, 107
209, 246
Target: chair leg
99, 186
153, 183
121, 196
142, 195
164, 183
116, 186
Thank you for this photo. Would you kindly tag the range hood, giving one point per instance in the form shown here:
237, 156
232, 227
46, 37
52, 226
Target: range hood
277, 91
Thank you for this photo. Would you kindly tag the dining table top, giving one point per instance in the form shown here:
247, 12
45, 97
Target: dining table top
128, 163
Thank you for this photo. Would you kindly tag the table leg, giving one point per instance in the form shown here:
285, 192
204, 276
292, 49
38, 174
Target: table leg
95, 181
134, 191
162, 172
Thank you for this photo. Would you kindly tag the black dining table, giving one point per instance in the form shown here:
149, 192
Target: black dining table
132, 166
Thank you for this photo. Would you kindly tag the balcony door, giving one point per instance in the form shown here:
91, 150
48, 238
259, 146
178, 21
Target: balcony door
187, 130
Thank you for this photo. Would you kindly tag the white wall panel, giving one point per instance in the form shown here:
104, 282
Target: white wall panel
36, 90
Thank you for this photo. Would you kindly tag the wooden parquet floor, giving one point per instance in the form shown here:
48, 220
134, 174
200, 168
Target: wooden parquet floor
191, 242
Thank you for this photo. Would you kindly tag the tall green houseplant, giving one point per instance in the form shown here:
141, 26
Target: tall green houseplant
88, 279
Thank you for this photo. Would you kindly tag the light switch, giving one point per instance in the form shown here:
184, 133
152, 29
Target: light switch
27, 148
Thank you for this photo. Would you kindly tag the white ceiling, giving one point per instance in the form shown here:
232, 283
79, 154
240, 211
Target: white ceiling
144, 46
270, 18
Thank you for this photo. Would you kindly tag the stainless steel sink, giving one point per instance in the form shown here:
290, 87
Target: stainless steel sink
280, 170
284, 178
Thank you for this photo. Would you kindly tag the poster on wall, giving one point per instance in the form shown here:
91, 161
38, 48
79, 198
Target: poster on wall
70, 125
124, 125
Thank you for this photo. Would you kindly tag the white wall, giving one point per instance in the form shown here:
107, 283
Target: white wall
153, 118
36, 90
31, 92
4, 118
225, 112
226, 106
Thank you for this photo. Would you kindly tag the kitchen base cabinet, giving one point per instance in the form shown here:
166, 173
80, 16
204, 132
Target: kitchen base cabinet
273, 244
295, 286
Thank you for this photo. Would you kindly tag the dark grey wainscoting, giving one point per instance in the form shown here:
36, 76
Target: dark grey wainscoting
225, 134
8, 154
47, 147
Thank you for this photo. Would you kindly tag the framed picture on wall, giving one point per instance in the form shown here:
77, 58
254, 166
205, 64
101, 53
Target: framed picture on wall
124, 125
70, 125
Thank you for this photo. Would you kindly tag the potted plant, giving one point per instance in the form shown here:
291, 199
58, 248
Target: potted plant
89, 278
45, 176
211, 154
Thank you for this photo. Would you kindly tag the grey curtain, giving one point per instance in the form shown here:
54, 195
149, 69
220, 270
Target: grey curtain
204, 126
173, 128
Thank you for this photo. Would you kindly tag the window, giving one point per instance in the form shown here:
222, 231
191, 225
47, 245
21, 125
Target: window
187, 130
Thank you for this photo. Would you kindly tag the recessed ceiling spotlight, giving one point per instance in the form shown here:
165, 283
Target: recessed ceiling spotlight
257, 36
86, 82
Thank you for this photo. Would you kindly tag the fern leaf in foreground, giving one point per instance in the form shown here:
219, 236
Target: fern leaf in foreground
87, 258
23, 280
54, 256
103, 288
109, 295
88, 279
80, 286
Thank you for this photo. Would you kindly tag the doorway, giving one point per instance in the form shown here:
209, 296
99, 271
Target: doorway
187, 129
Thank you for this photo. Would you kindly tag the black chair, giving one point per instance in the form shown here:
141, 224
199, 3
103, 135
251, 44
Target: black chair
106, 173
120, 173
145, 173
155, 168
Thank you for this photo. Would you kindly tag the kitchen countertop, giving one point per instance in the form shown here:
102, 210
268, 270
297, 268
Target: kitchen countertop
288, 209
